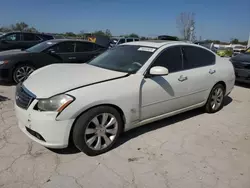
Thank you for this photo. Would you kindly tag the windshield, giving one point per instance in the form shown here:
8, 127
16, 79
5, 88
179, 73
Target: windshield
124, 58
41, 47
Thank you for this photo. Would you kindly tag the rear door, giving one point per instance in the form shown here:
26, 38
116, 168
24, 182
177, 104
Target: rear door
11, 41
29, 39
200, 70
85, 51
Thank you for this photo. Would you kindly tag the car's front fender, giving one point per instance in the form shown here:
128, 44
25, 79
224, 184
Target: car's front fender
123, 93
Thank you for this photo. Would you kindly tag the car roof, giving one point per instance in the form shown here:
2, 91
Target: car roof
45, 34
68, 40
154, 43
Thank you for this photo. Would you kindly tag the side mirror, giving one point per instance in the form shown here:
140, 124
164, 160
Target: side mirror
158, 71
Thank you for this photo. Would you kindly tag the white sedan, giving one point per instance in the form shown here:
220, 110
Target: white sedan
125, 87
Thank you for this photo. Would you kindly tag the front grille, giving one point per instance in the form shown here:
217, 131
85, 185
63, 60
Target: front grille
23, 98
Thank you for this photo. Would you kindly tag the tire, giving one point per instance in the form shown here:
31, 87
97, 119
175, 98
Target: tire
26, 69
209, 107
86, 131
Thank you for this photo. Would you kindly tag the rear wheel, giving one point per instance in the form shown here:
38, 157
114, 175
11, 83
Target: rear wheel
97, 130
216, 99
22, 72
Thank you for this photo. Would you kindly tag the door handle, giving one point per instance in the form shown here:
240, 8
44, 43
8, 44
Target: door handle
182, 78
211, 71
72, 57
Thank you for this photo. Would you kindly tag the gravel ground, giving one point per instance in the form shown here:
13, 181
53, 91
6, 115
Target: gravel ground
194, 149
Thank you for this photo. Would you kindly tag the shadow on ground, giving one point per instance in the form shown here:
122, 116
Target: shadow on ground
240, 84
145, 129
3, 98
2, 83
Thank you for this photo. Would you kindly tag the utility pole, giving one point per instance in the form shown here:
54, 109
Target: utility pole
248, 44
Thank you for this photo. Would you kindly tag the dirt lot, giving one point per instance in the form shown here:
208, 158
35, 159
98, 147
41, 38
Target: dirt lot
193, 150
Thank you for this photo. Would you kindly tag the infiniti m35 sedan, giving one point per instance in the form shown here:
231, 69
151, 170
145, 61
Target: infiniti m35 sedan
125, 87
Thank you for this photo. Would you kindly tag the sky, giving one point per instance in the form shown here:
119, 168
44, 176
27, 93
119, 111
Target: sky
215, 19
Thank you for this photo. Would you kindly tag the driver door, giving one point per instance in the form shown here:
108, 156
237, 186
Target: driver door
165, 94
11, 41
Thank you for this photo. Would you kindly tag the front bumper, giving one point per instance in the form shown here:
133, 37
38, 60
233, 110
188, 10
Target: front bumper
43, 128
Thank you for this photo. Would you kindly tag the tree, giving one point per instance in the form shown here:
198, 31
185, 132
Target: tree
20, 26
234, 41
70, 34
186, 25
133, 35
108, 33
100, 32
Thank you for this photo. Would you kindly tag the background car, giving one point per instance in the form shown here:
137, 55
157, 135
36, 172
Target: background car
225, 51
120, 40
238, 49
241, 64
125, 87
21, 40
17, 65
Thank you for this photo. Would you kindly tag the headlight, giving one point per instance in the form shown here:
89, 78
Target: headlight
56, 103
3, 62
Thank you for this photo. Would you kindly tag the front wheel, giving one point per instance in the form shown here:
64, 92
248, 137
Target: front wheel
216, 99
97, 130
22, 72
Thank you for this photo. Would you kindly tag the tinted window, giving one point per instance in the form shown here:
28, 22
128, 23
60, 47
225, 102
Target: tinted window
12, 37
121, 41
117, 58
29, 37
64, 47
197, 57
136, 39
37, 37
129, 40
98, 47
41, 46
84, 47
171, 59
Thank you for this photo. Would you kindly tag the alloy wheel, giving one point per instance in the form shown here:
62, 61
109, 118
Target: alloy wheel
217, 98
22, 73
101, 131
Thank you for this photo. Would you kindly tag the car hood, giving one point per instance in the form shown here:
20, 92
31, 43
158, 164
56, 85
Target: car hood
242, 58
4, 55
59, 78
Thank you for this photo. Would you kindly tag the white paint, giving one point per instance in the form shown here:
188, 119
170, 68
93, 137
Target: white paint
149, 99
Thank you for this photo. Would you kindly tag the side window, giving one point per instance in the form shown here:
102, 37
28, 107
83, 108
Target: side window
136, 39
37, 38
29, 37
13, 37
84, 47
121, 41
171, 59
63, 47
197, 57
98, 47
129, 40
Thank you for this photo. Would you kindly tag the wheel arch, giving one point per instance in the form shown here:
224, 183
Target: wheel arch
222, 83
120, 111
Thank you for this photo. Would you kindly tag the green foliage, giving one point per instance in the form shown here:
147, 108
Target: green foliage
20, 26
